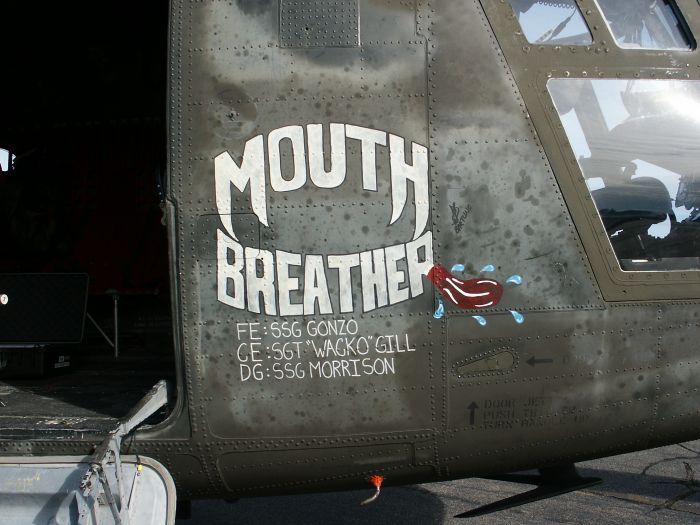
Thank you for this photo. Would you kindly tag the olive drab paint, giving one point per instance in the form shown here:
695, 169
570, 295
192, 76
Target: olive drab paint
323, 158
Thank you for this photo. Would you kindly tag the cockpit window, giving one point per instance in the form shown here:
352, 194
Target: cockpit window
646, 24
552, 22
637, 144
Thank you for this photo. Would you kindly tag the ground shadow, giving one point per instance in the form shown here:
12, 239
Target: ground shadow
411, 505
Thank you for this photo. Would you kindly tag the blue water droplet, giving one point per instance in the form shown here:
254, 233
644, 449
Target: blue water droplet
488, 268
440, 310
515, 279
457, 268
479, 320
519, 318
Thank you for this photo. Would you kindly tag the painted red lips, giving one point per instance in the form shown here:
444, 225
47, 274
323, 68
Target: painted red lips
468, 295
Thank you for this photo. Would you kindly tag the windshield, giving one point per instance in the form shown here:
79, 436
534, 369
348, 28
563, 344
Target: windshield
636, 142
552, 23
646, 24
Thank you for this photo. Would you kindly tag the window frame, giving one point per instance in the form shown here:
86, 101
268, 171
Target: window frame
583, 19
681, 20
587, 176
532, 66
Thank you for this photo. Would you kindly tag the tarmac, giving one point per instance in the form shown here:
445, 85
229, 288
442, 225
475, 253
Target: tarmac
656, 486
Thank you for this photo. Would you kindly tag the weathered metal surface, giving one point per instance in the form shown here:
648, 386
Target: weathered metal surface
45, 490
312, 190
532, 66
652, 487
550, 363
320, 23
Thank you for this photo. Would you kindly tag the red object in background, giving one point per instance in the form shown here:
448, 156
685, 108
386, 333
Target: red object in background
471, 294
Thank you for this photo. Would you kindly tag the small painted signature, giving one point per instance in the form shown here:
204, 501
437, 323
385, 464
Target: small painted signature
459, 216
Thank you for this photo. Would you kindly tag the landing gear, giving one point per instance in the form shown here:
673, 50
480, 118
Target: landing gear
550, 482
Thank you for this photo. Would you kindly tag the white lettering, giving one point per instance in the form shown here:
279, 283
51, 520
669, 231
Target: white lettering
418, 264
370, 139
251, 170
317, 169
416, 173
286, 283
230, 282
260, 284
316, 287
344, 263
388, 275
395, 277
295, 134
373, 280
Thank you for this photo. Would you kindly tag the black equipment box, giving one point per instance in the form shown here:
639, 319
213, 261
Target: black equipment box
42, 308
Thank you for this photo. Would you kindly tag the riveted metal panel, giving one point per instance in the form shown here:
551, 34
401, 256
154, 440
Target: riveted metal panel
245, 86
434, 75
473, 95
353, 390
239, 470
387, 21
583, 378
532, 66
678, 378
497, 200
499, 205
258, 89
319, 23
217, 25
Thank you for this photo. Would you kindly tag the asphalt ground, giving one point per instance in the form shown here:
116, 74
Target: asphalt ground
657, 486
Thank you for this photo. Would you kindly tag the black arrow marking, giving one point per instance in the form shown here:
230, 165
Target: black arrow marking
534, 361
472, 409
